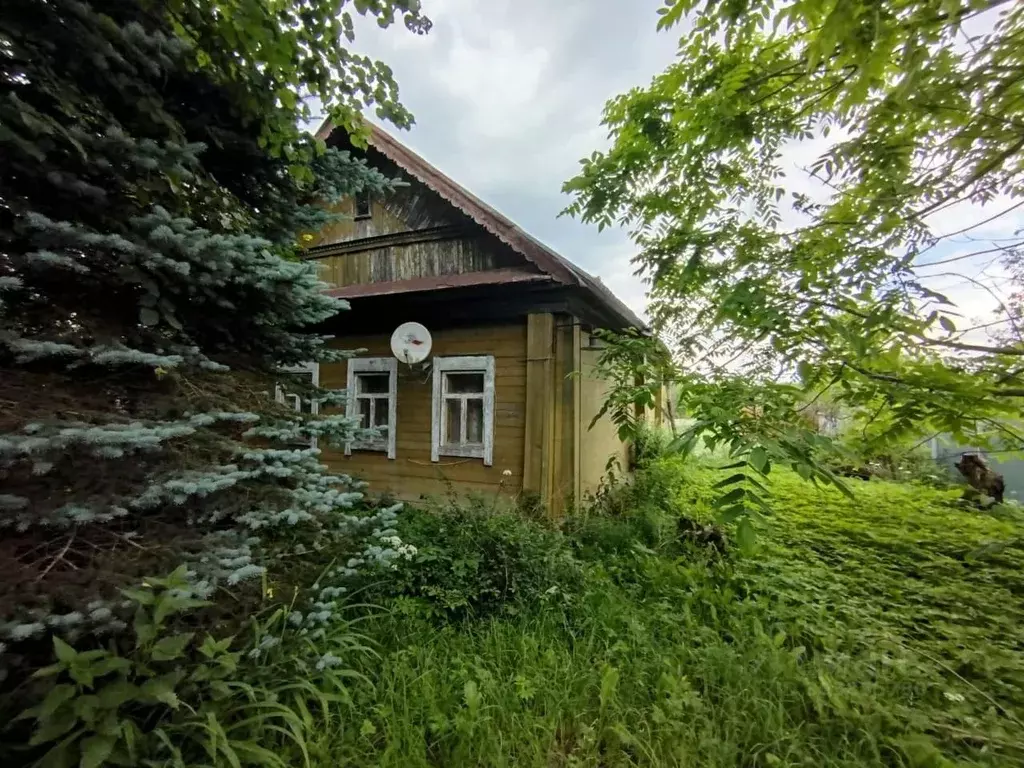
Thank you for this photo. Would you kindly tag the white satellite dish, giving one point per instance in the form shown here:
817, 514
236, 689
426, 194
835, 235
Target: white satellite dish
410, 343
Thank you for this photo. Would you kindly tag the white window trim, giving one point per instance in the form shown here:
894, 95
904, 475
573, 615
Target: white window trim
296, 400
388, 365
465, 364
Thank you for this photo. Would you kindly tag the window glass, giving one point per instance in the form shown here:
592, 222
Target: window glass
371, 387
293, 391
465, 383
365, 413
453, 420
363, 210
462, 408
298, 396
373, 383
380, 416
474, 421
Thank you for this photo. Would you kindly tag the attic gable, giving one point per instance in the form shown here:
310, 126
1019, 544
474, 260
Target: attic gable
503, 245
412, 207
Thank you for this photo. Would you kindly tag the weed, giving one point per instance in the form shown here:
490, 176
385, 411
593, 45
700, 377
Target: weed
882, 631
472, 562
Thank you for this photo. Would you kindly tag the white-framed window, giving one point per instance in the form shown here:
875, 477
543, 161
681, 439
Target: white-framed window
373, 396
462, 422
308, 373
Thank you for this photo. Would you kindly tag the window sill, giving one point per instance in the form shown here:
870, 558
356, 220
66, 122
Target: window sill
462, 451
377, 448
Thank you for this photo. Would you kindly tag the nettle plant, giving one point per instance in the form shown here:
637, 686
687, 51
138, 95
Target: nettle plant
153, 193
174, 698
91, 712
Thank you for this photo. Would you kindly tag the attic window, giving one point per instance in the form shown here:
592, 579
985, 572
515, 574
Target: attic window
363, 209
463, 408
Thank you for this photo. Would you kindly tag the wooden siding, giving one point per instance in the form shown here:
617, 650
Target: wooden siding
540, 390
409, 208
412, 475
600, 443
565, 472
431, 258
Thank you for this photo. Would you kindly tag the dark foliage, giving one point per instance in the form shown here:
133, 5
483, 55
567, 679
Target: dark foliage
154, 188
471, 563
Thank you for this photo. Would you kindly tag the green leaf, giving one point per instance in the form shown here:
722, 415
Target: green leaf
145, 629
87, 708
141, 596
111, 664
62, 721
57, 696
168, 605
118, 692
609, 685
732, 514
63, 755
739, 477
161, 689
759, 459
746, 536
65, 653
170, 648
733, 496
95, 750
82, 674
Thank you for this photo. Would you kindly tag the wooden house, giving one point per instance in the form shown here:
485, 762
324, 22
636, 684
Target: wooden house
503, 405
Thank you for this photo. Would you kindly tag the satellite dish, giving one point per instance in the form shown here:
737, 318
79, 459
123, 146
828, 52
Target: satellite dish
410, 343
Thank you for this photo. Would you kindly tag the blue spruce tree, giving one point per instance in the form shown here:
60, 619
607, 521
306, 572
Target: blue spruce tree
153, 189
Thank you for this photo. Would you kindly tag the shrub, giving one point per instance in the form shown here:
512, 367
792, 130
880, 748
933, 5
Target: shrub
169, 697
876, 632
470, 563
897, 465
625, 511
650, 443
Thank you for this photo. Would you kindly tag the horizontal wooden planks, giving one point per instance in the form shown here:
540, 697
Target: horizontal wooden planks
411, 474
406, 208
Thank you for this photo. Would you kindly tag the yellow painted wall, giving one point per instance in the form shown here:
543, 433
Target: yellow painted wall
600, 443
411, 474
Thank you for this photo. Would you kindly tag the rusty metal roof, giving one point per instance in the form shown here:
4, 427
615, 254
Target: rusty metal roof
558, 267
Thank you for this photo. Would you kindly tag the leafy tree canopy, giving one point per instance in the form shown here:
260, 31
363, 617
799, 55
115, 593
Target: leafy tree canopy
289, 56
900, 112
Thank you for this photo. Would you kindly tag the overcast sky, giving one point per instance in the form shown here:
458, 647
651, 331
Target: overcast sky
508, 96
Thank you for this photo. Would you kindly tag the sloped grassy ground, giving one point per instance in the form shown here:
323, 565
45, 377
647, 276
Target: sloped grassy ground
906, 581
883, 631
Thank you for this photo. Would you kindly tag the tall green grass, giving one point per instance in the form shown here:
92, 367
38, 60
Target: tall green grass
886, 631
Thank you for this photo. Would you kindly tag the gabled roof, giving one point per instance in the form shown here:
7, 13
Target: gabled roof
558, 267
